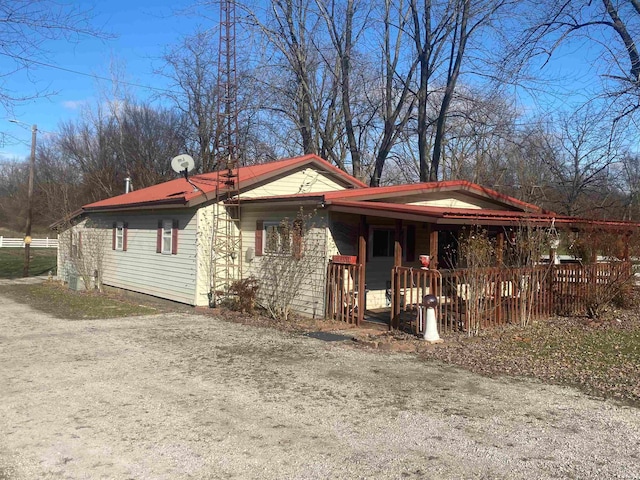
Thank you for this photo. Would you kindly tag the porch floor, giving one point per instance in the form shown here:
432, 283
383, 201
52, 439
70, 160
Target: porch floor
380, 318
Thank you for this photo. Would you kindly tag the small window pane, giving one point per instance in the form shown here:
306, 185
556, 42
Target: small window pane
166, 236
119, 236
272, 238
383, 243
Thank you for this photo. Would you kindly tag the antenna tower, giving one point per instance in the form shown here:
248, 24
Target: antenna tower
227, 241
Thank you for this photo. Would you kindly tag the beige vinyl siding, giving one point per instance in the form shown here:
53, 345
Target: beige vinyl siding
307, 180
457, 200
205, 260
140, 268
309, 294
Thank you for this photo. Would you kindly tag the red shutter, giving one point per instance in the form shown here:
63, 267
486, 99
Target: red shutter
174, 238
113, 237
159, 238
411, 243
125, 231
259, 233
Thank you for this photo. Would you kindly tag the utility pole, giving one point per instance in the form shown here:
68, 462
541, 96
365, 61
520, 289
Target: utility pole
32, 170
27, 230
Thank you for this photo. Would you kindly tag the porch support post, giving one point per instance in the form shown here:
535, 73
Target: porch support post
433, 247
498, 286
625, 253
397, 262
362, 261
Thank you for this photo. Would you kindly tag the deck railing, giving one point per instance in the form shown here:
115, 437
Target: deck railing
474, 299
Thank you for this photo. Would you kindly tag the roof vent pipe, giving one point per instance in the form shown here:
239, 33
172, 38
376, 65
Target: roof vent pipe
127, 185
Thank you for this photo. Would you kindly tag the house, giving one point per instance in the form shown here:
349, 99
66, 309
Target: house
161, 240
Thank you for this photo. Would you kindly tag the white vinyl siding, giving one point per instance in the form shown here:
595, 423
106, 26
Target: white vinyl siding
141, 269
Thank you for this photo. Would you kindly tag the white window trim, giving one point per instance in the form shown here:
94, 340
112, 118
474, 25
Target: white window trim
163, 250
120, 236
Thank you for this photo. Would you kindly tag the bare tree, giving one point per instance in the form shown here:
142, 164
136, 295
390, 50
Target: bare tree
26, 26
192, 68
612, 26
442, 31
340, 21
139, 142
397, 102
583, 151
629, 184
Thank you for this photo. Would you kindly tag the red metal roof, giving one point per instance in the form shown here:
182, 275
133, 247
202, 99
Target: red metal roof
374, 193
179, 192
360, 199
443, 215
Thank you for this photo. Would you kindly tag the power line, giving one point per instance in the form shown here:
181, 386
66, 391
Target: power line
91, 75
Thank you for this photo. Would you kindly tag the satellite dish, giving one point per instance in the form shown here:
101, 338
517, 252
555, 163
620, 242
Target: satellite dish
182, 164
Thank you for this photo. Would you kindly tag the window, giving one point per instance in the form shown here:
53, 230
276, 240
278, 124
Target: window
297, 244
76, 244
167, 237
277, 237
119, 238
167, 234
284, 238
383, 242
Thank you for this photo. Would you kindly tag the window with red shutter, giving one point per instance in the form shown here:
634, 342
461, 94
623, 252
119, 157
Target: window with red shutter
159, 237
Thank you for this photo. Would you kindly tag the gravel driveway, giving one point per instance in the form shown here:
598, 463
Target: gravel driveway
177, 396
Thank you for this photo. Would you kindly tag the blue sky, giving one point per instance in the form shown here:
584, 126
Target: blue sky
143, 29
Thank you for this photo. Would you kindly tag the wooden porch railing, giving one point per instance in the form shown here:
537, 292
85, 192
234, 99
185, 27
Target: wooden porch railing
577, 287
472, 300
345, 293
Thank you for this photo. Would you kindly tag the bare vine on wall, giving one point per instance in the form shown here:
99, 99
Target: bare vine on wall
295, 249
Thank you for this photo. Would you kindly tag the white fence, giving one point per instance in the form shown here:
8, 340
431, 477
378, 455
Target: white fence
6, 242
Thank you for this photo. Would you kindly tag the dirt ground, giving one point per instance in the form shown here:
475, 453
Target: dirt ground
179, 396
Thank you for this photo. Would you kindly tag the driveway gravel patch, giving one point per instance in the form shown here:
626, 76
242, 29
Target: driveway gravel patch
179, 396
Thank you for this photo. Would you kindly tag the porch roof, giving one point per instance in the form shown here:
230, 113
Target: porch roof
342, 201
473, 189
462, 216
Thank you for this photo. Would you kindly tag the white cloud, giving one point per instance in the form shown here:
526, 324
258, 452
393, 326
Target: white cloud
74, 104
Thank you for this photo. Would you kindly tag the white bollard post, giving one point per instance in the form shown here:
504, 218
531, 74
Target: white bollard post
431, 335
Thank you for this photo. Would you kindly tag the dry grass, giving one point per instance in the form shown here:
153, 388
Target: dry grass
601, 358
61, 302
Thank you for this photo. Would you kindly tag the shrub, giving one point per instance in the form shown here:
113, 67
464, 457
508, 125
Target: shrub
245, 292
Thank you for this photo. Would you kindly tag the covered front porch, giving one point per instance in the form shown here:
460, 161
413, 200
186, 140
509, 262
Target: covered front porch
385, 281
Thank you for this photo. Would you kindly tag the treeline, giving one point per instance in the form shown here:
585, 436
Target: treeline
390, 92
